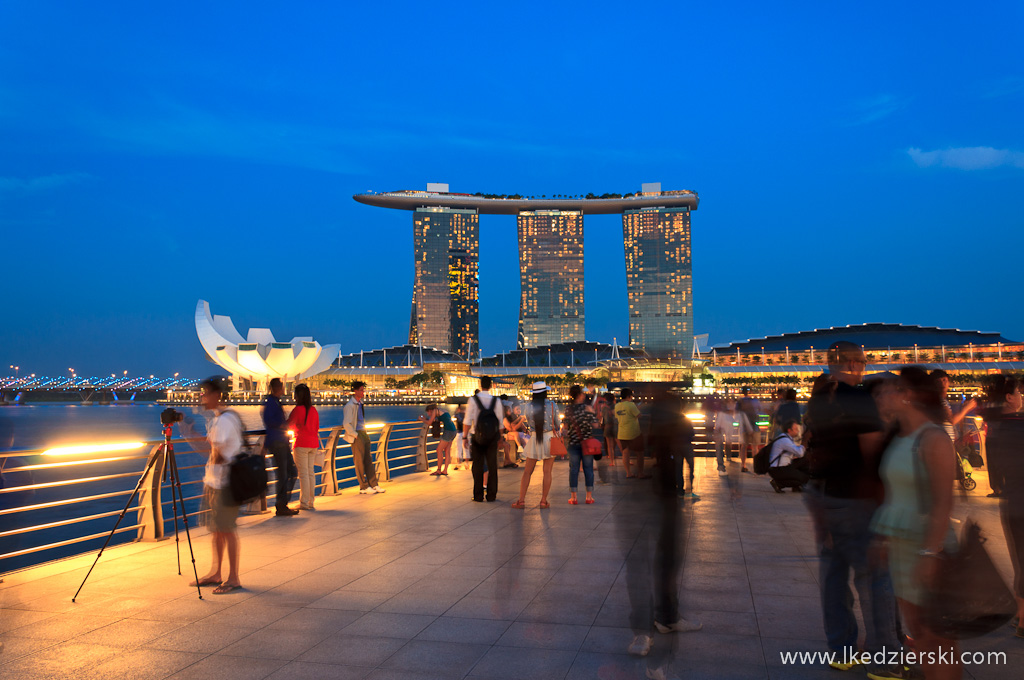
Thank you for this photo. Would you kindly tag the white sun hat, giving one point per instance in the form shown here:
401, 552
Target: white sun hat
538, 387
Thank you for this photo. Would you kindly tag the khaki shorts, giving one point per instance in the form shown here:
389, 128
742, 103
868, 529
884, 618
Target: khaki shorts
223, 511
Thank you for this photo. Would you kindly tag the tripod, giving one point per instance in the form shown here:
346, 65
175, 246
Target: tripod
171, 476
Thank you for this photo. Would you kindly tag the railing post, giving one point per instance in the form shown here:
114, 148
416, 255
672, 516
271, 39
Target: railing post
421, 450
151, 516
381, 463
330, 465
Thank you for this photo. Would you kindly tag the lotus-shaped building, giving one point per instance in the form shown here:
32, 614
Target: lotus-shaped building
259, 357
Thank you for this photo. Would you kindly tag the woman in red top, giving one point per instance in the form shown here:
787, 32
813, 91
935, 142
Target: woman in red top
304, 421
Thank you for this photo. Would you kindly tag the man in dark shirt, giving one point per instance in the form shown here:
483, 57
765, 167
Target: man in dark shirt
277, 443
845, 438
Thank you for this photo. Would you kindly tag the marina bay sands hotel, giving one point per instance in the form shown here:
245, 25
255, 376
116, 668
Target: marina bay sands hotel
446, 237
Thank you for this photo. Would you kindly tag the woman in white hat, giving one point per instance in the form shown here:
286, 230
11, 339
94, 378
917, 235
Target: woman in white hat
544, 417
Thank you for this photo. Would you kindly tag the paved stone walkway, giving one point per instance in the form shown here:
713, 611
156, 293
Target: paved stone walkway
423, 583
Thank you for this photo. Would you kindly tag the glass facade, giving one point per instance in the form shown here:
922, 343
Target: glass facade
550, 277
659, 280
445, 297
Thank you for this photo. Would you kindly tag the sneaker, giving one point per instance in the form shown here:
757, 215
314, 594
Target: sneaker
775, 485
367, 490
889, 673
286, 512
680, 626
640, 646
722, 473
693, 496
378, 489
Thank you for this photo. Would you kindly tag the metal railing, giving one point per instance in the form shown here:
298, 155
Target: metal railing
55, 508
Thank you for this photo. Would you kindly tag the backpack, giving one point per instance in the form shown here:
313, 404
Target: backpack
487, 429
762, 463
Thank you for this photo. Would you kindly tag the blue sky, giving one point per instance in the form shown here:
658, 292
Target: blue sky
855, 162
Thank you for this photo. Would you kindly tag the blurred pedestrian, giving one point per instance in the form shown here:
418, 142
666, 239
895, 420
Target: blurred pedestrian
1006, 460
544, 418
224, 441
786, 410
731, 430
304, 421
751, 409
577, 426
649, 527
918, 469
610, 428
950, 418
461, 449
276, 441
845, 438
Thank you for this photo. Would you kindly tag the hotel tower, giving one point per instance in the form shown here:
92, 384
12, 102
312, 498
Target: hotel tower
550, 277
445, 296
659, 280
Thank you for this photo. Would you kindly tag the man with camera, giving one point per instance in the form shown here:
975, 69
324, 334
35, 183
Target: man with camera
276, 442
224, 436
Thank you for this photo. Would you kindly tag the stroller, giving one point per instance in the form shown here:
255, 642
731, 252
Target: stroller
964, 469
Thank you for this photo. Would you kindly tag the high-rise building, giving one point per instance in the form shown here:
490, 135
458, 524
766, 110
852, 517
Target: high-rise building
550, 277
659, 280
445, 298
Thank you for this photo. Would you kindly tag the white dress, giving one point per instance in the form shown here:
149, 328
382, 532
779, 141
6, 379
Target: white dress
536, 450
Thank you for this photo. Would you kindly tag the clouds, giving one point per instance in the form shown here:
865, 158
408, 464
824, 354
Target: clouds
967, 158
44, 183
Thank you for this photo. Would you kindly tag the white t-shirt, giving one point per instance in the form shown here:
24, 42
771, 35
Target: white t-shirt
225, 433
733, 425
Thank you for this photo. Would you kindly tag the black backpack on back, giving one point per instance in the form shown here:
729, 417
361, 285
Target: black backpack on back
487, 428
761, 461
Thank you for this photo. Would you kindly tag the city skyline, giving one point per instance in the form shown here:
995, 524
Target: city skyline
151, 160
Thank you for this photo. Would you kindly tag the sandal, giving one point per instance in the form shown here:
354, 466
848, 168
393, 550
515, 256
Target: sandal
590, 501
519, 505
573, 501
544, 505
225, 588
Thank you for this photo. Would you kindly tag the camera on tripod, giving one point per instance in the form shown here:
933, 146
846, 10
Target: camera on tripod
169, 416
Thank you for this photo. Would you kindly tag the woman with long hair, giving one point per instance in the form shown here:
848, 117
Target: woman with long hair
579, 421
918, 469
1005, 446
544, 417
304, 421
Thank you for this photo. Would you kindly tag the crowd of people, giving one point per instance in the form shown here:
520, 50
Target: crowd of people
875, 457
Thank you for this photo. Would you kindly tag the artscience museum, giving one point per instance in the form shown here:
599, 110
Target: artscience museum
252, 361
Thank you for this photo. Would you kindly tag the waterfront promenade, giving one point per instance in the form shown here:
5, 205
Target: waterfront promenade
423, 583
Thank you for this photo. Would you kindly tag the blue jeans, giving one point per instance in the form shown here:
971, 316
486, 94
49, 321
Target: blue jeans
847, 536
575, 458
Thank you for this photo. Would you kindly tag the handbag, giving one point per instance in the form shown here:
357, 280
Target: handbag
247, 473
590, 445
969, 597
248, 477
557, 447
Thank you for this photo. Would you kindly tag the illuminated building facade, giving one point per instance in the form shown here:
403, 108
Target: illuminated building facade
551, 277
659, 280
445, 300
